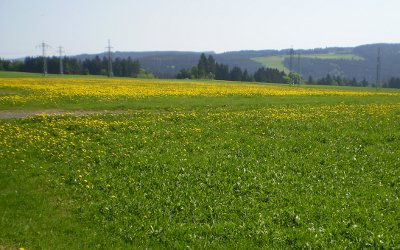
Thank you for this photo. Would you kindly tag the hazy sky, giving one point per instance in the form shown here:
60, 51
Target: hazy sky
84, 26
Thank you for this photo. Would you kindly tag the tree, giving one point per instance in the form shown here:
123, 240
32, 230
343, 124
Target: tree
310, 80
96, 68
246, 77
328, 79
184, 74
202, 66
353, 82
194, 72
294, 78
364, 82
394, 83
134, 67
236, 74
211, 66
222, 72
270, 75
71, 66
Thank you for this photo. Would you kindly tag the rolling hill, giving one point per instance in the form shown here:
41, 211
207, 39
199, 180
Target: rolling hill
350, 62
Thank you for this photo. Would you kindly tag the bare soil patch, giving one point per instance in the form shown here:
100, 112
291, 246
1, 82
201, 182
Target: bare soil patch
10, 114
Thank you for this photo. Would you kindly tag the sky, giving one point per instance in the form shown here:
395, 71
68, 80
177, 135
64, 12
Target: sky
84, 26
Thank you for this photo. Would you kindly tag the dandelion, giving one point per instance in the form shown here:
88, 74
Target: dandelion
50, 90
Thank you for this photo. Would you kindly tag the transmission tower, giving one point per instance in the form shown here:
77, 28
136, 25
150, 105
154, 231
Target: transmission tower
60, 51
291, 54
378, 68
299, 63
44, 46
110, 73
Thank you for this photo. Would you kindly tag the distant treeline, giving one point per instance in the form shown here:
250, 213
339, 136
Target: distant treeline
208, 68
96, 66
338, 81
394, 82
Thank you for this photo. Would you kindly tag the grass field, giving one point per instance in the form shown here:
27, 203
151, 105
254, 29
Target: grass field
277, 61
333, 56
183, 164
274, 62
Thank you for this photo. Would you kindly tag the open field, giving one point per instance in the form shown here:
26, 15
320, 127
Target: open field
192, 164
274, 62
277, 61
332, 56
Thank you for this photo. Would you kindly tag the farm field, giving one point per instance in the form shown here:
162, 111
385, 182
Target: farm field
130, 163
277, 61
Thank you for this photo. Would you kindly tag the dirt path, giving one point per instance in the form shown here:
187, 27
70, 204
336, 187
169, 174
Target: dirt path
10, 114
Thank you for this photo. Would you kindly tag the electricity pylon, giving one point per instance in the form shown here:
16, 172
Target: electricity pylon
110, 73
44, 46
60, 51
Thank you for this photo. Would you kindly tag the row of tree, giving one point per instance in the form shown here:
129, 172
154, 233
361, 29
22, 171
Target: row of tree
96, 66
338, 81
208, 68
394, 82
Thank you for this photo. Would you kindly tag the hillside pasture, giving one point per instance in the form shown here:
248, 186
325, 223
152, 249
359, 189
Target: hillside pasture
278, 61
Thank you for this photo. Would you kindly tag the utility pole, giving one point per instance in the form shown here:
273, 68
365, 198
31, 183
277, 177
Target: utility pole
60, 51
110, 73
44, 46
378, 68
291, 54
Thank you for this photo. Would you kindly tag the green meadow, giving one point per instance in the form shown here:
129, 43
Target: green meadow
202, 172
277, 61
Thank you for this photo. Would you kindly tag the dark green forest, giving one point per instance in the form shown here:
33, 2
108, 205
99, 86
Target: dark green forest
95, 66
209, 68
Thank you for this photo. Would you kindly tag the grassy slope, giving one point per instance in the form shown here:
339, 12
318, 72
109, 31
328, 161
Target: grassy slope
277, 61
332, 56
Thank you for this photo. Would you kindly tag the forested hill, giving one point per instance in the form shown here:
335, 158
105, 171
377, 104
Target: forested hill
358, 62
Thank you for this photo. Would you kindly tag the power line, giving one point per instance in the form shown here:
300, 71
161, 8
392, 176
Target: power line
60, 51
110, 73
44, 46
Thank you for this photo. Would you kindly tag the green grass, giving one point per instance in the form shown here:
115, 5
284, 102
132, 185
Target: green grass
333, 56
71, 103
184, 102
204, 172
277, 61
274, 62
